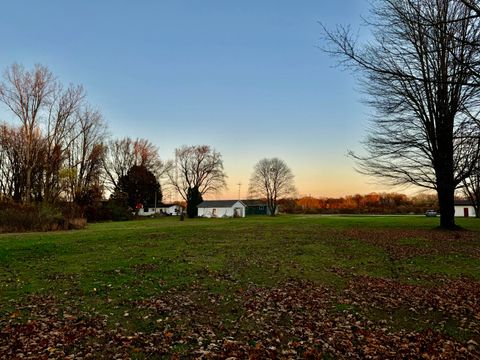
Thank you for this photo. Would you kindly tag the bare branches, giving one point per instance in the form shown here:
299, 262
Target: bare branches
472, 5
197, 167
59, 139
420, 74
124, 153
26, 93
272, 179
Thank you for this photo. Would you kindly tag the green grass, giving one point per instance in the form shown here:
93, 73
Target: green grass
111, 265
261, 250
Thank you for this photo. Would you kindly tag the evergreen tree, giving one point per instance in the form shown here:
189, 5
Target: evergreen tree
194, 197
140, 185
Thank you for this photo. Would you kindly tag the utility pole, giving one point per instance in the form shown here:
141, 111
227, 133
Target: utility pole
239, 187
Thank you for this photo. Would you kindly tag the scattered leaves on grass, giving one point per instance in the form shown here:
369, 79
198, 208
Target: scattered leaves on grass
296, 319
423, 242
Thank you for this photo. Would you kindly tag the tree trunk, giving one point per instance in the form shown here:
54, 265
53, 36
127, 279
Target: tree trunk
271, 206
447, 209
194, 198
444, 165
446, 192
273, 210
28, 184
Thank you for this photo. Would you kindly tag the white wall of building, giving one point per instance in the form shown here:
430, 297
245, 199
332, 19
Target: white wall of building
149, 212
169, 210
223, 211
460, 210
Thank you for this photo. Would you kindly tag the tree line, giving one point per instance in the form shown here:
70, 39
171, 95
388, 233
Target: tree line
57, 151
372, 203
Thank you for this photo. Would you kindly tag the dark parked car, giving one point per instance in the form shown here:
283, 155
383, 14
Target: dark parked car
431, 213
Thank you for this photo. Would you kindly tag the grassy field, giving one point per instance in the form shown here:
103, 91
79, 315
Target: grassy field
286, 287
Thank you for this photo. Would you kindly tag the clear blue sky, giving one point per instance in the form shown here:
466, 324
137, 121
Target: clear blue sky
243, 76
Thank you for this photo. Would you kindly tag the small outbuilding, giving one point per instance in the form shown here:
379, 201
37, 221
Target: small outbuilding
464, 208
170, 209
221, 208
165, 209
256, 207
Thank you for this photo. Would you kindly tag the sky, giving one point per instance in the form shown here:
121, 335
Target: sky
246, 77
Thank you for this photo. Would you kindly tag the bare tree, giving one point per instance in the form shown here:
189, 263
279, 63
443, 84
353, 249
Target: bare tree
471, 189
85, 158
471, 12
198, 171
61, 129
272, 179
46, 113
124, 153
26, 94
11, 164
418, 73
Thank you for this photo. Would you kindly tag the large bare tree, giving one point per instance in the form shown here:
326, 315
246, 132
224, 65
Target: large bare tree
198, 170
272, 179
419, 73
85, 156
61, 129
123, 154
50, 125
11, 163
27, 93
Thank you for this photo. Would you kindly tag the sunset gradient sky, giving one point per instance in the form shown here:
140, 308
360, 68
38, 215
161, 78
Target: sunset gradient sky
246, 77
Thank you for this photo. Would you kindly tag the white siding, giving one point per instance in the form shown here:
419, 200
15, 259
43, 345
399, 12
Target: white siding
222, 211
170, 210
142, 212
460, 210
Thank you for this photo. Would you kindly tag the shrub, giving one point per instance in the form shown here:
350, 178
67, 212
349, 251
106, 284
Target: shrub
16, 217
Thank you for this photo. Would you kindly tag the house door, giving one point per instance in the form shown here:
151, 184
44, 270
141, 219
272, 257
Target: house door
465, 212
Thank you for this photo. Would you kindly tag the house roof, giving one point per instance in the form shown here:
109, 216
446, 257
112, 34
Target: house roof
253, 202
218, 203
463, 202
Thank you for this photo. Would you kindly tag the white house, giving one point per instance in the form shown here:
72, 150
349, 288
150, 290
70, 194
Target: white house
170, 209
221, 208
166, 209
464, 208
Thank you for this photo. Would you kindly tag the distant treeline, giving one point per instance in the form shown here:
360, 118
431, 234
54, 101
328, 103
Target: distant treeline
373, 203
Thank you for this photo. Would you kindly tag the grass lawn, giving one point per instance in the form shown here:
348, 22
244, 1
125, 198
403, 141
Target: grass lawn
259, 287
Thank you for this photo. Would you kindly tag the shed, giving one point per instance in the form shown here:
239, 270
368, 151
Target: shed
166, 209
256, 207
464, 208
170, 209
221, 208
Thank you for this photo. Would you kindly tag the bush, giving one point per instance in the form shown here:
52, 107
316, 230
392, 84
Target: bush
118, 212
16, 217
